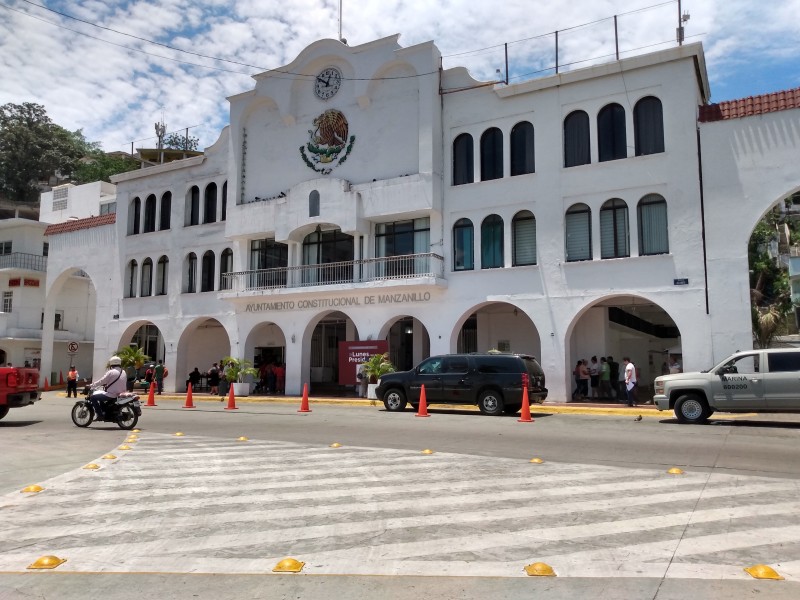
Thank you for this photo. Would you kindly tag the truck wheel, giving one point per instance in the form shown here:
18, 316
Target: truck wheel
394, 400
692, 409
3, 411
490, 402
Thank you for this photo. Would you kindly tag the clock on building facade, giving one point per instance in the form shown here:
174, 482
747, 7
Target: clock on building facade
327, 83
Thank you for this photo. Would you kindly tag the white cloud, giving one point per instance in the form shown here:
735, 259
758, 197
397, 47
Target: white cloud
116, 95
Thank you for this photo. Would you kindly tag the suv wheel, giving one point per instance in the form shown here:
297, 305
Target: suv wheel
490, 402
692, 409
394, 400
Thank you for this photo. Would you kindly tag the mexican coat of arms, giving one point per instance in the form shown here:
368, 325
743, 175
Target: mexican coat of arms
328, 145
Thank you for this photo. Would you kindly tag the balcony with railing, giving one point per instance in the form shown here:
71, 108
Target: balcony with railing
371, 271
23, 261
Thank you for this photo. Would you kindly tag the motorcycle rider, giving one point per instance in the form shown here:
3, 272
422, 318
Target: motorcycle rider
113, 382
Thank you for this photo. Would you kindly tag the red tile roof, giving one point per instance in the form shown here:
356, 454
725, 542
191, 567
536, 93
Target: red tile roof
78, 224
754, 105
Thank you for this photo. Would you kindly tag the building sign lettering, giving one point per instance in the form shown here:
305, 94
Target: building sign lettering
373, 299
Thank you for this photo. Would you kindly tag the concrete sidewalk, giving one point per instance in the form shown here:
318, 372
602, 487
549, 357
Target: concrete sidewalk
585, 408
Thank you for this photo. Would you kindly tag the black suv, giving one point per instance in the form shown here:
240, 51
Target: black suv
492, 381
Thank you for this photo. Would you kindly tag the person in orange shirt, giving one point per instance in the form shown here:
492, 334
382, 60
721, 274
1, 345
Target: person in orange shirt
280, 378
72, 382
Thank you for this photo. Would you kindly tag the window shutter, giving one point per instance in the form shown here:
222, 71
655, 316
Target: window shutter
579, 236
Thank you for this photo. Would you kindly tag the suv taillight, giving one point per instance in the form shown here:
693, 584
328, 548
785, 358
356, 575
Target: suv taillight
12, 379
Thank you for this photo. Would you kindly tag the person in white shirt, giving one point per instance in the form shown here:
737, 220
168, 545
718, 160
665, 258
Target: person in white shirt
630, 380
114, 383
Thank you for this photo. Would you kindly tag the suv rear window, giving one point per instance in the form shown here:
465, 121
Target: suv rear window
534, 368
498, 364
782, 362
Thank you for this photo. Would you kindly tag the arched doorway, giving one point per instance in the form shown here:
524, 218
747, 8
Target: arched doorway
498, 326
331, 329
409, 342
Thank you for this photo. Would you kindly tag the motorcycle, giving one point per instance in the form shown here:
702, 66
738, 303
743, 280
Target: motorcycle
124, 411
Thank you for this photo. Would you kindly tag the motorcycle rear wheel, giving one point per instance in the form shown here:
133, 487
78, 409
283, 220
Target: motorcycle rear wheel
82, 414
127, 418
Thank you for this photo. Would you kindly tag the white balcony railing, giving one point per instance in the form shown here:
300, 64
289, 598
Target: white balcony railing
344, 272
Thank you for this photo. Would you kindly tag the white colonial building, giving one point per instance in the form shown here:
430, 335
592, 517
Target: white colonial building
362, 193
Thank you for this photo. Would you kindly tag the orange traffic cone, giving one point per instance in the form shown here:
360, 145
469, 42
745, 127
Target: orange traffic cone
189, 403
46, 385
231, 400
151, 395
60, 378
422, 411
304, 401
526, 406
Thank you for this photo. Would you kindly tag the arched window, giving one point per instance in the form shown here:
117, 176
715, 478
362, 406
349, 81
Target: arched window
134, 216
576, 139
611, 140
192, 215
463, 169
463, 246
162, 276
225, 266
522, 156
150, 214
653, 232
491, 154
614, 237
207, 272
166, 211
224, 214
210, 204
578, 223
313, 204
131, 274
648, 126
492, 242
523, 233
190, 273
147, 277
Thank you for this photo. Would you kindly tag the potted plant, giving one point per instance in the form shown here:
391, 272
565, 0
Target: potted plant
133, 358
375, 367
236, 370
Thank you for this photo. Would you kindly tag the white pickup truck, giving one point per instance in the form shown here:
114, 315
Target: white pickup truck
765, 380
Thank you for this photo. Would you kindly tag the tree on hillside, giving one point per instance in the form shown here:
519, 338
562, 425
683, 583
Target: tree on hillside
33, 147
176, 141
99, 166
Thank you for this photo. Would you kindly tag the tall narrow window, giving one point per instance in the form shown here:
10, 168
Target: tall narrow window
463, 168
463, 245
522, 156
578, 221
134, 216
210, 204
131, 275
492, 242
402, 238
150, 214
576, 139
611, 139
491, 154
269, 260
614, 237
224, 214
162, 276
192, 216
8, 302
147, 277
648, 126
523, 232
313, 204
225, 266
166, 211
207, 272
653, 231
190, 274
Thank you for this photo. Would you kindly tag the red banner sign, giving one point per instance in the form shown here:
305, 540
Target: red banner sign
32, 283
14, 282
352, 354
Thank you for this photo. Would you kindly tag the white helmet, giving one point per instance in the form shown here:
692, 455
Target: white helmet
115, 361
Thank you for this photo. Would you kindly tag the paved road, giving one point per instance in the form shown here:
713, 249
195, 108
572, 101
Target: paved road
461, 522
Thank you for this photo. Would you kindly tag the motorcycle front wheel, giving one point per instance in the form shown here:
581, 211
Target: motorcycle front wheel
82, 414
127, 418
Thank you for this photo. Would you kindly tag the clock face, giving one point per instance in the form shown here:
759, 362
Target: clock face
328, 82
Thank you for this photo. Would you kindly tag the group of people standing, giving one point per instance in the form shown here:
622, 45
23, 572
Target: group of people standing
606, 380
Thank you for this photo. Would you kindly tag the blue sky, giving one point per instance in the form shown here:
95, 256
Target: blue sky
115, 87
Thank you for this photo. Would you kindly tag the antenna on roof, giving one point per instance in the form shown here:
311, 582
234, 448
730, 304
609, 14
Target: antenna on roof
341, 39
682, 18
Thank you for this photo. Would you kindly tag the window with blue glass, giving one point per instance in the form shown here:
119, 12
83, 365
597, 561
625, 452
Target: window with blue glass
492, 242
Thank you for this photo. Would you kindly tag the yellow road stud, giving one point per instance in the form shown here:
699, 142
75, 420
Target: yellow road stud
762, 572
32, 489
124, 447
540, 569
536, 461
109, 457
179, 433
336, 445
92, 467
427, 451
289, 565
675, 471
47, 562
242, 439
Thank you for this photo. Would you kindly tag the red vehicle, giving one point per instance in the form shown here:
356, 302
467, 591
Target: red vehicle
18, 387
